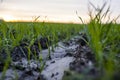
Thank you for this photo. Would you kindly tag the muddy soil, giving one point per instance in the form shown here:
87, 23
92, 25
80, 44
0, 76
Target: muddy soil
36, 64
70, 60
84, 66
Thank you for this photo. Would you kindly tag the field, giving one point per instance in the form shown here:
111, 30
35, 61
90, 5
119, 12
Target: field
96, 53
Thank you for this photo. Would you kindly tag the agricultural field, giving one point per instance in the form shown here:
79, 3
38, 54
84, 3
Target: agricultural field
96, 55
27, 39
59, 51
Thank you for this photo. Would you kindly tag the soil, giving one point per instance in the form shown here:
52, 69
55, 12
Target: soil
69, 60
21, 68
19, 56
84, 65
84, 62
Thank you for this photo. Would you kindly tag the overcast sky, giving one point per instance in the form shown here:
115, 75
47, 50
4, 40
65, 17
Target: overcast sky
50, 10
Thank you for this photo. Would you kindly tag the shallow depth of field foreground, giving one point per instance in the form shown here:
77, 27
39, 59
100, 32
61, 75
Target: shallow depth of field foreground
61, 51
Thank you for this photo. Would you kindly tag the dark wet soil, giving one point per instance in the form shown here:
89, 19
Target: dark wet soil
84, 63
82, 68
22, 51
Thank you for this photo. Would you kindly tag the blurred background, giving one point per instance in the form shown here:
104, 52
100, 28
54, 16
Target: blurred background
51, 10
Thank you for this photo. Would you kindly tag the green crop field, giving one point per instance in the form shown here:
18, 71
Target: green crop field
13, 33
102, 38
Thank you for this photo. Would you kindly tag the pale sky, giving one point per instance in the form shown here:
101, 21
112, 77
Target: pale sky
51, 10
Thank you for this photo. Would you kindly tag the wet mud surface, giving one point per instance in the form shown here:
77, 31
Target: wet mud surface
70, 60
35, 65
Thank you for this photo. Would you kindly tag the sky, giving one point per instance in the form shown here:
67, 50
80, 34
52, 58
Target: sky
51, 10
